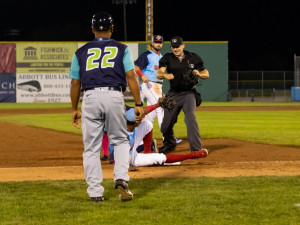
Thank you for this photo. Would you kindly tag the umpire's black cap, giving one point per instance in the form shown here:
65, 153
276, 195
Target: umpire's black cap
176, 41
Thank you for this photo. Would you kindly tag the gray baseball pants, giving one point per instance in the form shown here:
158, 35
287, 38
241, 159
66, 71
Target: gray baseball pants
103, 108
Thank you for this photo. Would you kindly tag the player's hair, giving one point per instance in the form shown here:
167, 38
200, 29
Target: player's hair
130, 122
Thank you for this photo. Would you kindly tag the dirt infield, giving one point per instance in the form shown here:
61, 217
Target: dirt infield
28, 153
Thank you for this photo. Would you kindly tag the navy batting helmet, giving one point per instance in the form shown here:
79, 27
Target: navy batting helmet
102, 21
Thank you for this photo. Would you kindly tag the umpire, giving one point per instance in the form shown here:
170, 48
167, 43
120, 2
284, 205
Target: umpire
172, 66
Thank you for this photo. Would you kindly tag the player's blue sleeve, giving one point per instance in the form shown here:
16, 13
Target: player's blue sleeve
127, 60
74, 70
142, 61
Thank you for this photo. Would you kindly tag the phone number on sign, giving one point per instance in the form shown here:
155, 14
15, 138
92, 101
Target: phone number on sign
56, 85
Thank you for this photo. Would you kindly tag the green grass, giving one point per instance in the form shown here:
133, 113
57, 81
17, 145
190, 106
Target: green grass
242, 200
273, 127
34, 105
68, 105
59, 122
250, 104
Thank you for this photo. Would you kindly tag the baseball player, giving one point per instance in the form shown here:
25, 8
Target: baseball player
140, 135
136, 134
100, 69
105, 147
146, 67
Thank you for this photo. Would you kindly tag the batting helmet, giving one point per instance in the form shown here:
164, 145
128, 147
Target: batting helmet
102, 21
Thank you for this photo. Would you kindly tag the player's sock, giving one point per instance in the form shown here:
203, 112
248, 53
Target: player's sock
177, 158
147, 142
105, 144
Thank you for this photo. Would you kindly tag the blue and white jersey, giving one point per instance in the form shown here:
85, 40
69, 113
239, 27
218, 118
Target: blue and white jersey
148, 62
129, 112
102, 62
131, 137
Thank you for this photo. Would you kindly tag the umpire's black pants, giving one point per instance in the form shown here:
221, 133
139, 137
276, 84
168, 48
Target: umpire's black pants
187, 102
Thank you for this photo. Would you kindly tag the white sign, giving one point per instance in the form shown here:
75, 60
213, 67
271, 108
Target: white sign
43, 87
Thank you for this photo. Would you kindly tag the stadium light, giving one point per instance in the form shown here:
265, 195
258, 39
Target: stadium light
124, 2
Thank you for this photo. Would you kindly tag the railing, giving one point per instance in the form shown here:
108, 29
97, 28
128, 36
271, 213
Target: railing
260, 85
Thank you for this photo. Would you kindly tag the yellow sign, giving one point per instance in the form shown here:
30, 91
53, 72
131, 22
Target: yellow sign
44, 57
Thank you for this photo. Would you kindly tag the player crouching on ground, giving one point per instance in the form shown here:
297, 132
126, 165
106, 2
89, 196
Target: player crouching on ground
138, 130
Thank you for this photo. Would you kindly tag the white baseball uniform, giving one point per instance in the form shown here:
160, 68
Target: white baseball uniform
148, 62
136, 139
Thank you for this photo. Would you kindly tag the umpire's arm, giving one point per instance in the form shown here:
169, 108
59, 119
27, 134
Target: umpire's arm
204, 74
161, 74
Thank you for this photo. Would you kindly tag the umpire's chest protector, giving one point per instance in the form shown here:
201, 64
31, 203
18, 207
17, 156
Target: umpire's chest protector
101, 64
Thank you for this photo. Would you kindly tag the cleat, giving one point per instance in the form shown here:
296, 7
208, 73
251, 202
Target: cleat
178, 141
200, 154
154, 147
124, 193
104, 158
164, 149
97, 199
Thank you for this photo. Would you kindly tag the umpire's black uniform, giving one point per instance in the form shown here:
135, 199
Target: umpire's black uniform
185, 99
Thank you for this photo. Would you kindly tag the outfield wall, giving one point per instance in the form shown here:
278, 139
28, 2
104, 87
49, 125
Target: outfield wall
215, 58
38, 71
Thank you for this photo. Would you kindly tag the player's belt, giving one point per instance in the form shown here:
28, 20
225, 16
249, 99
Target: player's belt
157, 82
105, 89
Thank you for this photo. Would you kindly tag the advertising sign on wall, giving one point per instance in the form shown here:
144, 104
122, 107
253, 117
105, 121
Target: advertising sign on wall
43, 71
7, 87
7, 58
38, 87
44, 57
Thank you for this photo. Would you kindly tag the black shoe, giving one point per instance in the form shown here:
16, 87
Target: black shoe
104, 158
97, 199
166, 149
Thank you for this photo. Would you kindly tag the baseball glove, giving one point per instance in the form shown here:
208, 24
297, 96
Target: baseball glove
190, 79
167, 102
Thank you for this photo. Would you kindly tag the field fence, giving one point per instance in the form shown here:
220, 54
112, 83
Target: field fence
260, 85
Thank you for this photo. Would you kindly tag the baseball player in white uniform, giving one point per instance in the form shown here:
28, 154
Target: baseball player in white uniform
136, 133
146, 66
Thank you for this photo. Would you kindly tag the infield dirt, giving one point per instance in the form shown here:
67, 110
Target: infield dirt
29, 153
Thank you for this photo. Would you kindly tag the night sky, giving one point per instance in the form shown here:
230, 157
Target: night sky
261, 34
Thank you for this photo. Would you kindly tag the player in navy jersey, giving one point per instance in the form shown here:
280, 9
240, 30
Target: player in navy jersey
100, 69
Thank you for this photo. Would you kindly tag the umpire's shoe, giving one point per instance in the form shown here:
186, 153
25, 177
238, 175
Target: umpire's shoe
124, 193
166, 149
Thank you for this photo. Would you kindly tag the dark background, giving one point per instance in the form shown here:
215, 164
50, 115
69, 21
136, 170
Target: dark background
261, 35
